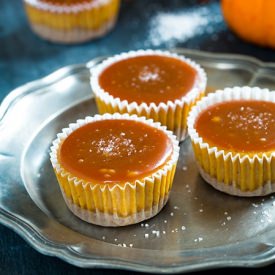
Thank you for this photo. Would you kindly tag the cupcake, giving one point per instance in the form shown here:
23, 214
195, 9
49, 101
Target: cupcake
233, 137
156, 84
115, 170
71, 21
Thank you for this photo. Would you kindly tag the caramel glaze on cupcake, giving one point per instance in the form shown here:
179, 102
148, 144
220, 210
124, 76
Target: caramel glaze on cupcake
115, 170
241, 126
148, 78
233, 136
156, 84
116, 151
71, 21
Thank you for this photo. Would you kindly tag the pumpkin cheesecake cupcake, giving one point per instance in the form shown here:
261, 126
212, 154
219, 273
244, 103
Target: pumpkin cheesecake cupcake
233, 137
115, 170
71, 21
151, 83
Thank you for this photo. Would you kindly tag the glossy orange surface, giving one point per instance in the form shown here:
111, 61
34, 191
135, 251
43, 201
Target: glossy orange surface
239, 126
254, 23
115, 151
149, 78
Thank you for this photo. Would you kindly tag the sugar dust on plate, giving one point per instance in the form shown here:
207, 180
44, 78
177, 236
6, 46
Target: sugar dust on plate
170, 28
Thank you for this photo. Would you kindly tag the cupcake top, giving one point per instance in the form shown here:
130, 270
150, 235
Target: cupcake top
115, 150
66, 2
240, 120
239, 125
66, 6
148, 77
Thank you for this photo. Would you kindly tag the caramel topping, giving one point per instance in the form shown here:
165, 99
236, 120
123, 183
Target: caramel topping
239, 126
115, 151
149, 78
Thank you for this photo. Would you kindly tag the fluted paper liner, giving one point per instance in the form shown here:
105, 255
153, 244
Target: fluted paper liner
241, 174
74, 22
118, 204
172, 114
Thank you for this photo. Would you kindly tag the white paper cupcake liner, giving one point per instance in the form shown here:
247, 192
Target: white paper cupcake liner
105, 219
173, 114
241, 174
74, 35
264, 190
115, 204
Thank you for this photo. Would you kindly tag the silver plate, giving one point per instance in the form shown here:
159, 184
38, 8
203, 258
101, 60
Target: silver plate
200, 228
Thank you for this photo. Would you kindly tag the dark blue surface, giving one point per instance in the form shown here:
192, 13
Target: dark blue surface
142, 24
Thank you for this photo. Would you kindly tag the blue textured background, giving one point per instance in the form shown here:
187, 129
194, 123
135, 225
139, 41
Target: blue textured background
25, 57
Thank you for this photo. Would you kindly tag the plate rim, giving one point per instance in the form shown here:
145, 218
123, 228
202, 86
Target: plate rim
64, 252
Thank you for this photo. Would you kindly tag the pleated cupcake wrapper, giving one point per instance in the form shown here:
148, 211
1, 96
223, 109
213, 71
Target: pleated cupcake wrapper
238, 174
72, 23
113, 220
172, 114
121, 203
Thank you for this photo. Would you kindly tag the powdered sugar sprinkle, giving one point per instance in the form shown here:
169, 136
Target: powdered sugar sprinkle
171, 28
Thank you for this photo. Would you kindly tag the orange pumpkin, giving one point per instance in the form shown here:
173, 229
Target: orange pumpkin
252, 20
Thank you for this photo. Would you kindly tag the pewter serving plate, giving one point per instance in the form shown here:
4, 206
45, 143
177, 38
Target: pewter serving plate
200, 228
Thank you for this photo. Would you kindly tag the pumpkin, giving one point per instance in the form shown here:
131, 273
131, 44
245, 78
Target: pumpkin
252, 20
